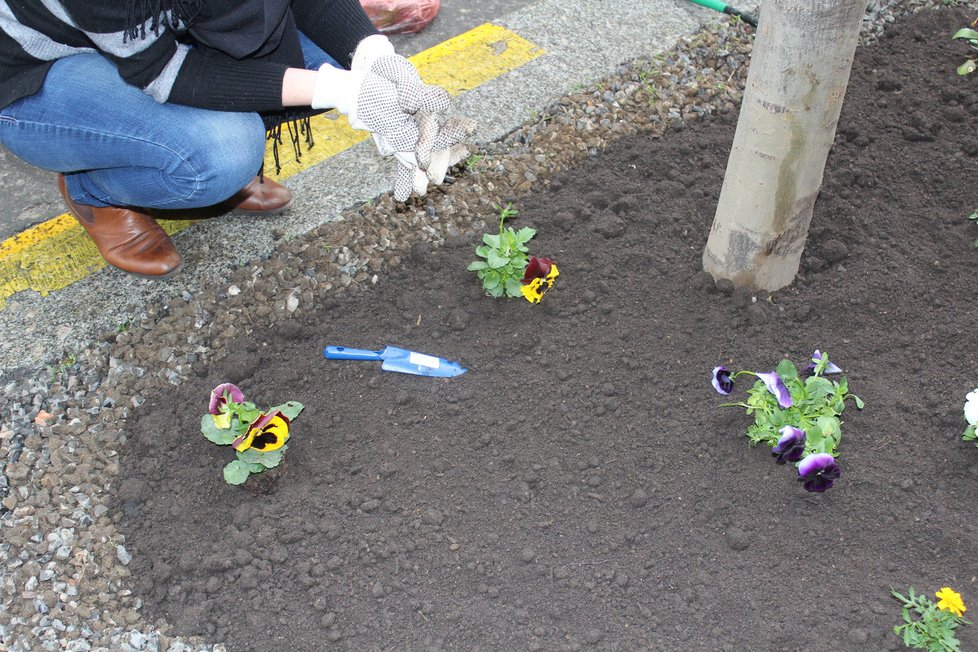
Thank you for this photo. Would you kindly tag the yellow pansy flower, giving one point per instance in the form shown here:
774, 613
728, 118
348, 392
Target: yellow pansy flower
267, 433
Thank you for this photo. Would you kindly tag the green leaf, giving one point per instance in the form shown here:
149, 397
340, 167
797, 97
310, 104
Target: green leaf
290, 409
525, 234
966, 33
496, 261
247, 413
967, 67
236, 472
786, 369
513, 288
491, 280
491, 240
263, 459
483, 251
819, 387
217, 435
477, 265
496, 291
859, 402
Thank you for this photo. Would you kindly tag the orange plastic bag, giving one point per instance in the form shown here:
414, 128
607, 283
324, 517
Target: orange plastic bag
401, 16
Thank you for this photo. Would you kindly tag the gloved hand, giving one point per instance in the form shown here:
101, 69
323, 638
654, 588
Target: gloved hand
439, 147
376, 54
369, 101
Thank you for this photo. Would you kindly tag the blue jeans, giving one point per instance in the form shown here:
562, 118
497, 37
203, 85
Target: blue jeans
119, 147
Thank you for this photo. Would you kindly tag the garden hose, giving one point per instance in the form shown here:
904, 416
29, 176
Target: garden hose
716, 5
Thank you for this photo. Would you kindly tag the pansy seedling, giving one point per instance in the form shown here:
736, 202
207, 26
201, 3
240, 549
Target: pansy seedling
798, 417
257, 436
505, 267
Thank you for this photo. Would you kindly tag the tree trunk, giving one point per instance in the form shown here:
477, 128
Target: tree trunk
797, 80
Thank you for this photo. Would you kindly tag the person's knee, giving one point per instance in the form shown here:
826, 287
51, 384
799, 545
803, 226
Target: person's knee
230, 155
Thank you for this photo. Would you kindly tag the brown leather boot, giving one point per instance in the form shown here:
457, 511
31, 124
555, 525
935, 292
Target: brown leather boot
126, 238
261, 197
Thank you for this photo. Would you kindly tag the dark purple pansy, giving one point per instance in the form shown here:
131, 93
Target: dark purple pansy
818, 471
722, 380
791, 446
830, 368
536, 267
221, 395
776, 386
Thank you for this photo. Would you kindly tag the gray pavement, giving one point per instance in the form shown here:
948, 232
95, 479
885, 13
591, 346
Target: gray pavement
583, 40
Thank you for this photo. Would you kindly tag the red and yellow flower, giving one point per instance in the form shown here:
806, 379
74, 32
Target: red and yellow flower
538, 277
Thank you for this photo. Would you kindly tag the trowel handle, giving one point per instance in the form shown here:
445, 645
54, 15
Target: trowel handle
344, 353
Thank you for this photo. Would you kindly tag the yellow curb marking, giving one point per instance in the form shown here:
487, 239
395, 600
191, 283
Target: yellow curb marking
58, 252
457, 65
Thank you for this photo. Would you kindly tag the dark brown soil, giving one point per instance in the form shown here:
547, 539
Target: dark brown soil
581, 486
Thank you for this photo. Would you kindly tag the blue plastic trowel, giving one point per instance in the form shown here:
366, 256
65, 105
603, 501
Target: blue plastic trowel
400, 360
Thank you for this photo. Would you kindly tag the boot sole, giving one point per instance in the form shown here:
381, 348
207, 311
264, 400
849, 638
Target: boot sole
152, 277
273, 211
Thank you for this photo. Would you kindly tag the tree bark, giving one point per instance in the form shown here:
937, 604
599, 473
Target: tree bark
796, 83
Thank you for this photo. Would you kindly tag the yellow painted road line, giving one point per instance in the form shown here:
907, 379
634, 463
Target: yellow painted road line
457, 65
58, 252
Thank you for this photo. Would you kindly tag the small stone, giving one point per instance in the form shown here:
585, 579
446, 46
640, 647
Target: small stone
737, 539
432, 517
638, 499
137, 639
528, 555
123, 555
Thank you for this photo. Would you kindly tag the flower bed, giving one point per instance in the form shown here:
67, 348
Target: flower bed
580, 484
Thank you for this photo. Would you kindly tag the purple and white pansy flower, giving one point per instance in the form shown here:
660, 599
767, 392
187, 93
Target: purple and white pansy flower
791, 445
818, 471
722, 380
777, 387
830, 368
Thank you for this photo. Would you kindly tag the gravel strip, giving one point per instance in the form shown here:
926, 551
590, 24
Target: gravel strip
64, 564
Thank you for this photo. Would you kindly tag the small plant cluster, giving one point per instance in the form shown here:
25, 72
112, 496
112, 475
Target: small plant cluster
971, 416
798, 417
257, 436
507, 269
969, 36
930, 626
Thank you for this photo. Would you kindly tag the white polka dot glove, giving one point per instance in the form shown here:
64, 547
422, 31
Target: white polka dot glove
369, 101
376, 54
439, 146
